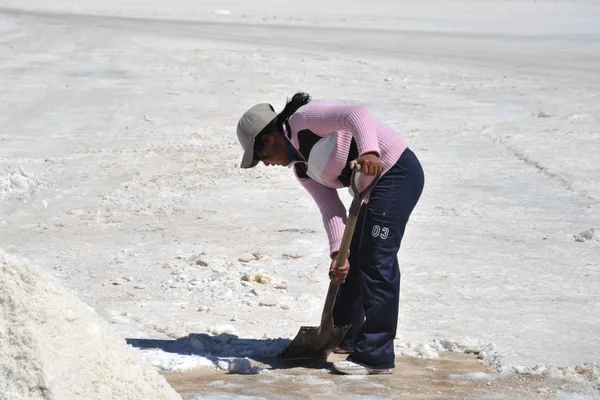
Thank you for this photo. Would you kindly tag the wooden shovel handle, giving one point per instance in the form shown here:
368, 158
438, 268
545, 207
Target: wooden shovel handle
344, 250
342, 254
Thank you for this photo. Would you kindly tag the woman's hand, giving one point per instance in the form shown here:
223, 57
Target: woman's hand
339, 274
370, 164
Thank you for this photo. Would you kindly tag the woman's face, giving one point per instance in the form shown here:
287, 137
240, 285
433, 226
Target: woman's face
275, 152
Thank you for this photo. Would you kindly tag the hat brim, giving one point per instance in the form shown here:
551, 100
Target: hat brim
248, 160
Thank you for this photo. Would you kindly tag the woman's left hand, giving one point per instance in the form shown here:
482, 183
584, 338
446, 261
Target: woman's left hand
370, 164
339, 274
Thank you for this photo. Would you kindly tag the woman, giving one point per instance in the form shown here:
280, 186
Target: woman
320, 141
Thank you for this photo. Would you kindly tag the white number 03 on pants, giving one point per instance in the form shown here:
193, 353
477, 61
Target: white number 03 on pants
379, 231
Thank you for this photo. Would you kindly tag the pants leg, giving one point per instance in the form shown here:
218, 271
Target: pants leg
390, 205
348, 307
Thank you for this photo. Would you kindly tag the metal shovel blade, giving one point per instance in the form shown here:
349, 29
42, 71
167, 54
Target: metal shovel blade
315, 341
318, 341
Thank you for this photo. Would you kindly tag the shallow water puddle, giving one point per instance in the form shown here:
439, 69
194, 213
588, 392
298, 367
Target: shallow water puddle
452, 376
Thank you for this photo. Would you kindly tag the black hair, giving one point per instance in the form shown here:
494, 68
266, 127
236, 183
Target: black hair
275, 127
298, 100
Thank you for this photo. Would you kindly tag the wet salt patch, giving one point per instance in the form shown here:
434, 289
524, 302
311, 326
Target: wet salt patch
479, 376
228, 396
374, 384
223, 385
575, 396
354, 377
375, 398
317, 381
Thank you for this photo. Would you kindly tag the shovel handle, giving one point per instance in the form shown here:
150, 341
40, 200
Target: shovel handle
344, 250
346, 240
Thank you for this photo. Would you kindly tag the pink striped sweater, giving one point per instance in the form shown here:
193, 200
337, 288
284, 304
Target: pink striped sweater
328, 136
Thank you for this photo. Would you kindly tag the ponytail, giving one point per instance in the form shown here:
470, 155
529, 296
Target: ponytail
297, 101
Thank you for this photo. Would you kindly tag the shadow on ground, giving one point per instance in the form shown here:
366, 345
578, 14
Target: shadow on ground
230, 348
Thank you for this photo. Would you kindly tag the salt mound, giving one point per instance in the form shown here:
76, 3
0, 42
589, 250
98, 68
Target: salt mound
53, 346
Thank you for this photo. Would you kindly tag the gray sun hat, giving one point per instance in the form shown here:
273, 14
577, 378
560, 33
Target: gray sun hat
249, 126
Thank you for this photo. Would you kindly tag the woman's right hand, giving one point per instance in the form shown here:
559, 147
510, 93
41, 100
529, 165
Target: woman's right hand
370, 164
339, 274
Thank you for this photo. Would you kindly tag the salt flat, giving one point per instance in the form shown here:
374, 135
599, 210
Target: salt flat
118, 164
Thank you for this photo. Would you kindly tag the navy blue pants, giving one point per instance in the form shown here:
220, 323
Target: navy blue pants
369, 299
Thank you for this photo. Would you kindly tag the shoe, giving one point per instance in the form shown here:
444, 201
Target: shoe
352, 368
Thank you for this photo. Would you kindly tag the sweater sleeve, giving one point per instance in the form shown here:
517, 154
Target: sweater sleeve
325, 118
332, 210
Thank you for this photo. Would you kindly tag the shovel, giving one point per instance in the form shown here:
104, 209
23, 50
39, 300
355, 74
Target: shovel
320, 341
